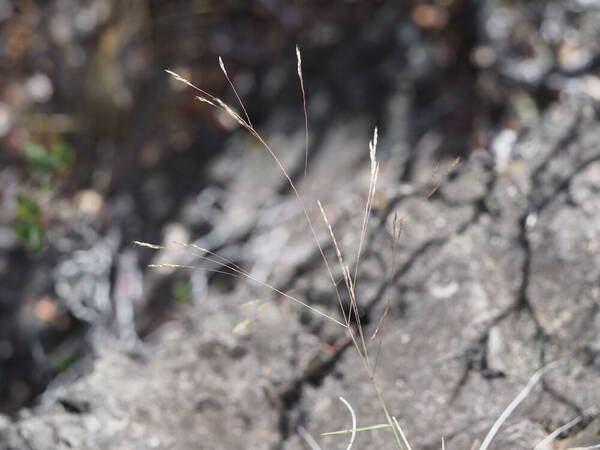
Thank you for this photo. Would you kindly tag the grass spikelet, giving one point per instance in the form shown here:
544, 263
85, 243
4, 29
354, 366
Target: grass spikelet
148, 245
204, 100
448, 171
301, 78
237, 96
242, 326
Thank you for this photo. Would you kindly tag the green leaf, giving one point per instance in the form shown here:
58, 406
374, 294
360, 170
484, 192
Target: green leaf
31, 235
38, 157
182, 291
28, 228
62, 154
27, 208
43, 159
62, 360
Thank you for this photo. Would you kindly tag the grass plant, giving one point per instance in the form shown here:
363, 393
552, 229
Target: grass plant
348, 318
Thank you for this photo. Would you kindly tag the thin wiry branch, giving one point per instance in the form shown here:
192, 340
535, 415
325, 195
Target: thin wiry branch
349, 285
380, 325
300, 199
310, 441
301, 78
239, 99
218, 103
234, 271
308, 438
399, 428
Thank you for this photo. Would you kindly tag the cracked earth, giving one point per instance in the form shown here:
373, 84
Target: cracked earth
494, 276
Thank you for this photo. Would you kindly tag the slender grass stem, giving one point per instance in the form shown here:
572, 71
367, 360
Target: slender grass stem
350, 279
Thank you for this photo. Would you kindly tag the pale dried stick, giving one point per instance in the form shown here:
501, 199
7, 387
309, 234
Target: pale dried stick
310, 441
353, 436
516, 402
548, 439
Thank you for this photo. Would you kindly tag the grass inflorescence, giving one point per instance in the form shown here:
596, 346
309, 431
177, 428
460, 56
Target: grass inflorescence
348, 318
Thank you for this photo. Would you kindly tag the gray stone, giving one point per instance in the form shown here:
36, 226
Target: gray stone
495, 276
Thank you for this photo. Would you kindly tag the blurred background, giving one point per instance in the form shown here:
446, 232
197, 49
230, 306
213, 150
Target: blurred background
100, 147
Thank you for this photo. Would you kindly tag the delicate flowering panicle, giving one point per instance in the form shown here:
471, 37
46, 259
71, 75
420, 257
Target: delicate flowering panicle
350, 281
354, 330
340, 258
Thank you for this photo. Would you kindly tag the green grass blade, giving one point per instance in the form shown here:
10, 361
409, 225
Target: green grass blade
369, 428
